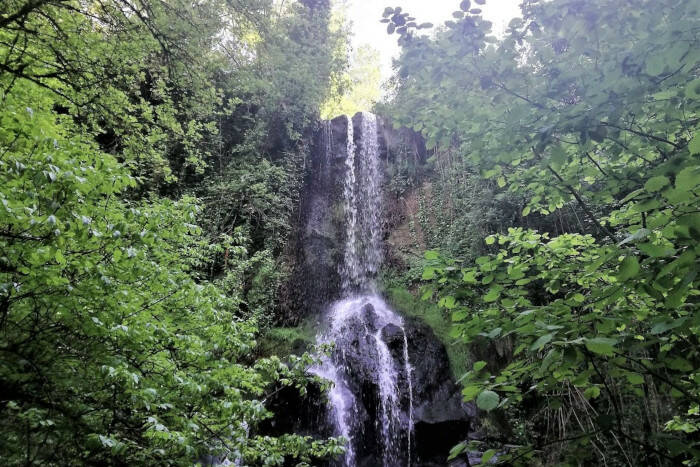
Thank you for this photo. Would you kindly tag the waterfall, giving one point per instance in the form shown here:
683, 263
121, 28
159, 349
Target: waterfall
360, 326
351, 266
370, 201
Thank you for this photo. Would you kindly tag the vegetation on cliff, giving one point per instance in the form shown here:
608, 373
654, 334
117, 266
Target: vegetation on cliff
149, 166
583, 124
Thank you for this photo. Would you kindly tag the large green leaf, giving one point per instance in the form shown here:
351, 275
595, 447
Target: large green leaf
694, 145
487, 400
688, 178
656, 183
541, 342
601, 345
628, 269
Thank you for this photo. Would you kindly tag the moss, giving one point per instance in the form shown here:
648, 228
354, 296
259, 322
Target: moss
285, 341
408, 305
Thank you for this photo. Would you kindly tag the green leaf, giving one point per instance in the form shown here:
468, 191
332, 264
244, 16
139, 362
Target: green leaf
655, 184
470, 392
579, 298
592, 392
635, 378
632, 195
479, 365
663, 326
459, 315
688, 178
694, 144
447, 302
494, 333
647, 205
691, 221
431, 255
492, 295
469, 277
541, 342
60, 259
487, 456
457, 450
656, 251
487, 400
628, 269
680, 290
680, 364
687, 257
601, 345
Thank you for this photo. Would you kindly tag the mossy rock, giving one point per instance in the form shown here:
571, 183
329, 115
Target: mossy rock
410, 306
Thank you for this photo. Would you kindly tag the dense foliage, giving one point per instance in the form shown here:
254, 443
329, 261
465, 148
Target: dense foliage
588, 108
149, 165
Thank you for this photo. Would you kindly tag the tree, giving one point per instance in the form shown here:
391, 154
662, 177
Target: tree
117, 345
592, 104
111, 352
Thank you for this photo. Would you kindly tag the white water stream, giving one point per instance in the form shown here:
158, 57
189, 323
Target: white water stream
358, 320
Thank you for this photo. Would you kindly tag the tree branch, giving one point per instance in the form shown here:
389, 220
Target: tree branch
578, 198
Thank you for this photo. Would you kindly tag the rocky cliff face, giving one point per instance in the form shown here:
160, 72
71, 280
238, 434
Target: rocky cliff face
317, 245
317, 248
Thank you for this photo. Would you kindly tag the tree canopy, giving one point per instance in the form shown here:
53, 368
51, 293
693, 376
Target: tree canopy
590, 108
130, 296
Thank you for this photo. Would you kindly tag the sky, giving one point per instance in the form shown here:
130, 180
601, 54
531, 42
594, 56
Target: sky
365, 15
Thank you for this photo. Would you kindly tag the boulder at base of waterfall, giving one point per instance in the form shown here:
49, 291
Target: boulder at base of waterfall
393, 336
441, 419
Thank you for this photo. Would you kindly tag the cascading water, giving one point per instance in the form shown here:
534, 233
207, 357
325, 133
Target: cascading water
368, 379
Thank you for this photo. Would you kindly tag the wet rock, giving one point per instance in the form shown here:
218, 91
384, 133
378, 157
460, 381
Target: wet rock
317, 245
369, 318
438, 396
394, 338
441, 419
316, 248
297, 413
393, 335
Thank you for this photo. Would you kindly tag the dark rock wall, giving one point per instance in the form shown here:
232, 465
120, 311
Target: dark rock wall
317, 248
